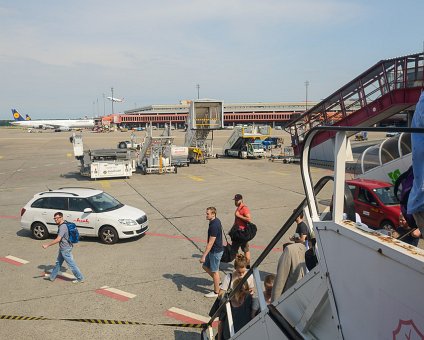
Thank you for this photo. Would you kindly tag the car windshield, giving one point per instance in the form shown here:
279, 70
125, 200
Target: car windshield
104, 202
257, 146
387, 195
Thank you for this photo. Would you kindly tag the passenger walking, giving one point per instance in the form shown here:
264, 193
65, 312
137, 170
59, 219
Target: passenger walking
242, 216
302, 229
416, 196
65, 250
240, 269
291, 267
241, 310
214, 249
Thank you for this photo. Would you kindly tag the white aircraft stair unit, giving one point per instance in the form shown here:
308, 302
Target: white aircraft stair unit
205, 115
387, 160
366, 285
155, 154
245, 142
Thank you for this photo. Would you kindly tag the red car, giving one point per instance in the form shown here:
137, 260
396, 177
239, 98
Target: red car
375, 202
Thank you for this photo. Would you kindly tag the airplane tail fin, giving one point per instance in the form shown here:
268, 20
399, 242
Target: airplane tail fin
17, 116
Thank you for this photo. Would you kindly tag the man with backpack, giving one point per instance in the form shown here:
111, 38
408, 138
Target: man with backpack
416, 196
65, 249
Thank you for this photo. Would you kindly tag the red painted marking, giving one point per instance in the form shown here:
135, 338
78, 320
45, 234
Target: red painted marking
16, 263
112, 295
186, 319
11, 217
195, 239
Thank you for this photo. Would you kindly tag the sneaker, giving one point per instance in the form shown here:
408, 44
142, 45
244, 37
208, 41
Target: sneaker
78, 281
211, 294
47, 278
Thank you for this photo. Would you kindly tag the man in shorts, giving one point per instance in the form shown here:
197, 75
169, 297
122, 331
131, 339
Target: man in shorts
242, 216
214, 249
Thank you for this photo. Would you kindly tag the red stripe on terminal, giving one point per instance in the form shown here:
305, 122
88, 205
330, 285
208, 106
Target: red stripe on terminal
16, 263
112, 295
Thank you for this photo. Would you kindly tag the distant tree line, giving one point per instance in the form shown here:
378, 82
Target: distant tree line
5, 123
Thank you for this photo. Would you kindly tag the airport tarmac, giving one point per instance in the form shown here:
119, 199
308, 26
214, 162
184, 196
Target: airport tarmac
158, 277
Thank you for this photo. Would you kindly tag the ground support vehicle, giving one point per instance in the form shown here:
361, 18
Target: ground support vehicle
180, 155
196, 155
104, 163
286, 156
155, 155
246, 142
95, 213
272, 142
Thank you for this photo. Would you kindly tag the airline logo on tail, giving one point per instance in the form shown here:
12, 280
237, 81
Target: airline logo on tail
17, 116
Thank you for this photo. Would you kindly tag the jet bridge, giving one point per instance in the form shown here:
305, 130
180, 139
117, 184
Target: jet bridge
205, 115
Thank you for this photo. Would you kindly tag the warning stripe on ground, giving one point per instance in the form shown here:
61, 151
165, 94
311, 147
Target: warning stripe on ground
188, 317
114, 293
13, 260
100, 321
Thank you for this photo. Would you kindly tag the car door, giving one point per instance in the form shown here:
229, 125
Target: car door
48, 206
368, 207
85, 222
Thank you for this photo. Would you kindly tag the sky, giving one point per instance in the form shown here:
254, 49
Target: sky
59, 59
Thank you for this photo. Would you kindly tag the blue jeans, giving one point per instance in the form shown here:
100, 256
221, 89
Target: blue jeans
66, 255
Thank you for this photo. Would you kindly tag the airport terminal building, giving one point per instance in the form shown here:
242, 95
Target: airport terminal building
273, 114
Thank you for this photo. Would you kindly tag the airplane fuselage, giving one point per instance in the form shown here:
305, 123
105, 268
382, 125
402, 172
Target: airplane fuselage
55, 123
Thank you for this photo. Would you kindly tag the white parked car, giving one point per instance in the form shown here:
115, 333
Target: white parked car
94, 212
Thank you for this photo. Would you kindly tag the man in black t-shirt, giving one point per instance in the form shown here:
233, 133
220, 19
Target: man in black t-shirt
302, 229
214, 249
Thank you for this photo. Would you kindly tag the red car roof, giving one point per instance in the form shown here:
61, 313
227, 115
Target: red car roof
369, 183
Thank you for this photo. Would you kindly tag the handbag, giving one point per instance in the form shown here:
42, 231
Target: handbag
228, 255
218, 300
243, 235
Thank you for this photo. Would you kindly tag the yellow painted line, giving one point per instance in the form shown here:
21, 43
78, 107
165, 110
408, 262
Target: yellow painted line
196, 178
69, 154
1, 157
105, 184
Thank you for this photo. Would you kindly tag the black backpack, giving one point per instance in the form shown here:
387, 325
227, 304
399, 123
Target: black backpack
405, 182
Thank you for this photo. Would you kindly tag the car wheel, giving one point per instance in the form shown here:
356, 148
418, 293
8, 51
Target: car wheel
122, 145
39, 231
108, 235
386, 225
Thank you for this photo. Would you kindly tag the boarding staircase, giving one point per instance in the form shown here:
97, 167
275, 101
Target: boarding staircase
241, 135
344, 291
389, 87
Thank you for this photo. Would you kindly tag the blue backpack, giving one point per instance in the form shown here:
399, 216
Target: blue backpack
73, 232
405, 181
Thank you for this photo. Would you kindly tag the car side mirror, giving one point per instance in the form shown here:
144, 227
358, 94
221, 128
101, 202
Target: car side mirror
374, 204
88, 210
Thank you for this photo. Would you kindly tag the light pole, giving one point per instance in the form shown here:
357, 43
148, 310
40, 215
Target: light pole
306, 98
111, 89
198, 91
104, 105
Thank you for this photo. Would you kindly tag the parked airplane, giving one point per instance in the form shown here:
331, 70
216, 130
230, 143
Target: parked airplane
56, 124
118, 100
